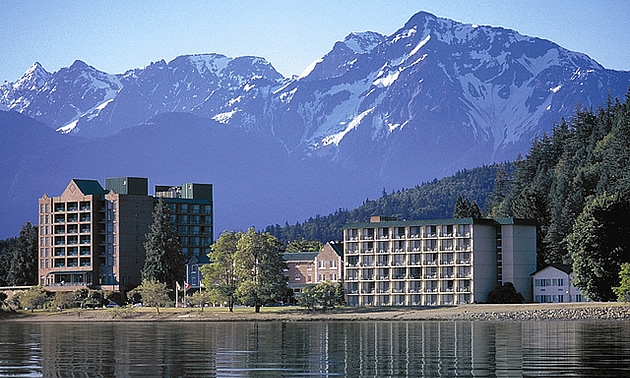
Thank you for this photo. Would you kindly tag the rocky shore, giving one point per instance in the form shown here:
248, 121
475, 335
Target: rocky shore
587, 313
473, 312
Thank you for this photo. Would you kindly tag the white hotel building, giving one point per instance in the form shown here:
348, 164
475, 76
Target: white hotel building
436, 262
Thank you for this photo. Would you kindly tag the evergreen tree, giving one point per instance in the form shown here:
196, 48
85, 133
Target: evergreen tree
23, 268
222, 276
6, 255
599, 244
260, 263
303, 245
164, 260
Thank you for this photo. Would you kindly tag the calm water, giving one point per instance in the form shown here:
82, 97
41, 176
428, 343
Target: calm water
377, 349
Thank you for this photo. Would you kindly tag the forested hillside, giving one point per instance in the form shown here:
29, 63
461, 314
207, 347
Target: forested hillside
576, 183
435, 199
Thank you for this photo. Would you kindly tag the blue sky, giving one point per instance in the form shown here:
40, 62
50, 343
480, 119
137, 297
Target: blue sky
114, 36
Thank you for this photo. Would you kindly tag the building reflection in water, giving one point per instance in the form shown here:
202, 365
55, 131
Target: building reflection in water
317, 348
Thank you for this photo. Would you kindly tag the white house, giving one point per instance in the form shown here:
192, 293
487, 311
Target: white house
553, 284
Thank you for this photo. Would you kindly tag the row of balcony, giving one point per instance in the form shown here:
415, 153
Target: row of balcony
71, 206
403, 263
451, 276
409, 237
356, 251
446, 290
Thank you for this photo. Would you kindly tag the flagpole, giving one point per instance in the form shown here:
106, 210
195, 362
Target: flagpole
176, 294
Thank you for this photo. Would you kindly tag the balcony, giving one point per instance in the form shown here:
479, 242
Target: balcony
447, 262
431, 290
398, 290
431, 276
463, 289
447, 290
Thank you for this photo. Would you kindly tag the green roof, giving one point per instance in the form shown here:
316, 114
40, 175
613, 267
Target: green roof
88, 187
299, 256
440, 222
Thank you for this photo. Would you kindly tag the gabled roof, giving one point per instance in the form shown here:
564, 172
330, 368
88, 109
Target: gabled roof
299, 256
88, 187
563, 267
337, 247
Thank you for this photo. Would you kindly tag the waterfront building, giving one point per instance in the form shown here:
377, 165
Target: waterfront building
554, 284
437, 261
94, 236
311, 268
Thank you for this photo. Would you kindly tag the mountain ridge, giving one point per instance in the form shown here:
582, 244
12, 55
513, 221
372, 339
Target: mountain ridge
434, 97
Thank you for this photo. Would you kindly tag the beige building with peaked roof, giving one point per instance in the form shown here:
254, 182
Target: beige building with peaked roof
94, 237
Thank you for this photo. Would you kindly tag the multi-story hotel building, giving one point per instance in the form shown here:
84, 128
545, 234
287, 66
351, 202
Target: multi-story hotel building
91, 236
436, 262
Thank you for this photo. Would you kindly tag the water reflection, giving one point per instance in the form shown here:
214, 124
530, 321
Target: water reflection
316, 349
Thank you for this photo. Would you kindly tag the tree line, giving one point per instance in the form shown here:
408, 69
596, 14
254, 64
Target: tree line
434, 199
18, 258
575, 182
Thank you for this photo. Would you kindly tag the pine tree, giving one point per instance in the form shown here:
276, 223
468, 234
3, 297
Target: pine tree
599, 244
164, 260
23, 270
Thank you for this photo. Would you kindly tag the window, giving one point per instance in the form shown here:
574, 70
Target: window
333, 276
308, 278
557, 282
542, 283
333, 264
184, 208
297, 277
322, 264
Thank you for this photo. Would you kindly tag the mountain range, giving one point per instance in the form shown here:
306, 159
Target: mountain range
377, 111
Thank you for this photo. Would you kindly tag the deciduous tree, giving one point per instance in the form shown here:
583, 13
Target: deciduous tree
36, 296
261, 266
623, 290
223, 276
154, 294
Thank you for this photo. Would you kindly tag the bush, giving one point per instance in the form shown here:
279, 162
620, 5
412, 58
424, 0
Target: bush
505, 294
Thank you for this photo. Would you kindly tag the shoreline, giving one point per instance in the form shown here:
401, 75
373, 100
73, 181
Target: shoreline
472, 312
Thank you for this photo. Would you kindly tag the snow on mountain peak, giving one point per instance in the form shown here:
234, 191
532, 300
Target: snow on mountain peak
363, 42
33, 78
214, 63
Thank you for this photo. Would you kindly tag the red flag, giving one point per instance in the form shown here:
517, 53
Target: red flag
186, 285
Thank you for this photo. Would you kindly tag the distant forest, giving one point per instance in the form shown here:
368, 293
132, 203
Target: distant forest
435, 199
574, 182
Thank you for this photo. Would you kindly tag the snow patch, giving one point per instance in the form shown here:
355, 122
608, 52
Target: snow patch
310, 69
336, 138
387, 80
224, 117
555, 89
68, 128
422, 43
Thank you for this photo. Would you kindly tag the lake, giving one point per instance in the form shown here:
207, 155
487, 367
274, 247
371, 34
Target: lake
297, 349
